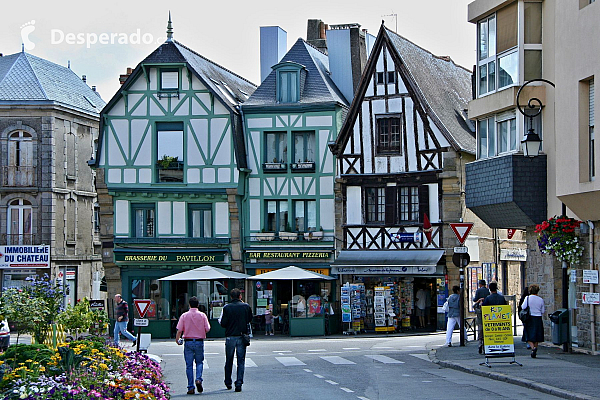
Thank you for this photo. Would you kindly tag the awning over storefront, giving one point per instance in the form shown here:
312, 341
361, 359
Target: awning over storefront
205, 273
290, 273
387, 262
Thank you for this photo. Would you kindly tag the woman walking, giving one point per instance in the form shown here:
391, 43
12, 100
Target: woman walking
519, 308
453, 314
534, 326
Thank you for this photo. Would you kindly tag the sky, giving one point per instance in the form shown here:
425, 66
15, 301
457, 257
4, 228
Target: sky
226, 32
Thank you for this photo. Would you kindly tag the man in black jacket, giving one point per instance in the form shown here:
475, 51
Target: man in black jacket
235, 319
494, 299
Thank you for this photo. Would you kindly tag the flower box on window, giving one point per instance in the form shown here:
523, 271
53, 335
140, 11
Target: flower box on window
318, 235
288, 236
274, 167
265, 236
307, 166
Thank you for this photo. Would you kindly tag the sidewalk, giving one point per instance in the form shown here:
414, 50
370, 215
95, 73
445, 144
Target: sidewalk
571, 376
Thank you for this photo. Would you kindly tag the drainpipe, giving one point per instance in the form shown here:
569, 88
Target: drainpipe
592, 310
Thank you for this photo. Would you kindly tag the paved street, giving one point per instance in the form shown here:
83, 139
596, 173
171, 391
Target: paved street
337, 368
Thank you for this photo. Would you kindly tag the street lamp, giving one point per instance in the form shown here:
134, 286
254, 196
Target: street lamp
532, 142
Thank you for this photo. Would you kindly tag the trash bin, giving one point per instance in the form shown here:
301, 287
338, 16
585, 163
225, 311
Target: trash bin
560, 326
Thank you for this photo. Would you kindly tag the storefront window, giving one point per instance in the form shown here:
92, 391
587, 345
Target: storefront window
212, 297
309, 303
154, 290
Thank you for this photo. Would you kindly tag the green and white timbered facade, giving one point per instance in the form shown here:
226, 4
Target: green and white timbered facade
173, 160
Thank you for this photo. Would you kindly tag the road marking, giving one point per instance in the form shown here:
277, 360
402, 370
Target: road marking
205, 364
250, 352
307, 370
405, 375
212, 354
250, 363
362, 398
422, 356
384, 359
426, 381
318, 350
347, 390
351, 348
289, 361
415, 346
319, 376
173, 354
382, 347
337, 360
331, 382
282, 351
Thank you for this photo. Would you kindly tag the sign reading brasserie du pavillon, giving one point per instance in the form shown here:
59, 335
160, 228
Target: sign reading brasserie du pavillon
188, 257
288, 254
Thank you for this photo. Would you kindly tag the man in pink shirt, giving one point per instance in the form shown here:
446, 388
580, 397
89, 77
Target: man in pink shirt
193, 325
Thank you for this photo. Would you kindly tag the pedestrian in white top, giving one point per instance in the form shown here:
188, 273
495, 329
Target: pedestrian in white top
534, 325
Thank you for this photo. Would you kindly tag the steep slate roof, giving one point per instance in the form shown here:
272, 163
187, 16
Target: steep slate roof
445, 87
229, 88
25, 77
318, 87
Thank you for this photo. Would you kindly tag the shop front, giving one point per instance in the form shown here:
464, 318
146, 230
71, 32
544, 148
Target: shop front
141, 270
19, 262
302, 297
391, 291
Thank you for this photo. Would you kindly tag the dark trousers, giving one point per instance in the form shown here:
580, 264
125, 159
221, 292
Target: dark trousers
233, 344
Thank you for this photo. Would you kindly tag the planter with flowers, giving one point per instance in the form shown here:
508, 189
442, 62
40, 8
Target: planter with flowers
557, 237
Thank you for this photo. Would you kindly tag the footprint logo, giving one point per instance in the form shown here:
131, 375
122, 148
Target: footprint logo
26, 29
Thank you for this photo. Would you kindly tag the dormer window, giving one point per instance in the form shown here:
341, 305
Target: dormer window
169, 79
289, 81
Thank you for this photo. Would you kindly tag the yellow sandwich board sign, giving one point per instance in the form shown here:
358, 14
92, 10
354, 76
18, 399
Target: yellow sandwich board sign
497, 333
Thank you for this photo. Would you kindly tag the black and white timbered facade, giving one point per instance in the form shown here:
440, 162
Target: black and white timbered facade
400, 147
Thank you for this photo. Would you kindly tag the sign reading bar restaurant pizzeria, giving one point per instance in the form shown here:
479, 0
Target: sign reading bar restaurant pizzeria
180, 257
289, 254
25, 256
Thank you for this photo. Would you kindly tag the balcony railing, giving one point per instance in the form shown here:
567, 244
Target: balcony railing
362, 237
13, 239
18, 176
188, 241
316, 238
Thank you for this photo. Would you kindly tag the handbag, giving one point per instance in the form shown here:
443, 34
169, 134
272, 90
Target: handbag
525, 313
246, 336
446, 306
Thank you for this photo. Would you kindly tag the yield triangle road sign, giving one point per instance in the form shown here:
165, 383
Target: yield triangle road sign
461, 230
141, 306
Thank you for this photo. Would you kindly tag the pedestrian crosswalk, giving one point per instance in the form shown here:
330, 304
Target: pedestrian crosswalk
290, 361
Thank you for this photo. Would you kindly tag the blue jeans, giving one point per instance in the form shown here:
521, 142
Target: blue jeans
234, 344
193, 351
121, 327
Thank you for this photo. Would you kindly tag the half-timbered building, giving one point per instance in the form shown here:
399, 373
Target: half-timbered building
173, 161
400, 158
289, 210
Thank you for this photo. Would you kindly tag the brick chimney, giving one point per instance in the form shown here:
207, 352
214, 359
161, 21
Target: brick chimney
315, 34
123, 77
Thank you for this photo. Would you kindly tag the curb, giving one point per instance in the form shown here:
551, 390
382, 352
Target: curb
540, 387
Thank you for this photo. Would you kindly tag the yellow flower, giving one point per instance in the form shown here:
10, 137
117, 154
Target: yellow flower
42, 368
103, 366
30, 360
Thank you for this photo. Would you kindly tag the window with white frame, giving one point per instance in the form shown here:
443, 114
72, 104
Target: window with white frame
288, 86
169, 79
499, 134
498, 62
143, 220
19, 222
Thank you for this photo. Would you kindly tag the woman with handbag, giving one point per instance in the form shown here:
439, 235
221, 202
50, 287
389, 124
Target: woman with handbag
519, 309
534, 326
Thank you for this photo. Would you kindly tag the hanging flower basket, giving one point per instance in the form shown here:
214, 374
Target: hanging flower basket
557, 237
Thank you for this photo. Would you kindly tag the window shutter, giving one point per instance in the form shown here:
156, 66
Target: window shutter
391, 205
423, 201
